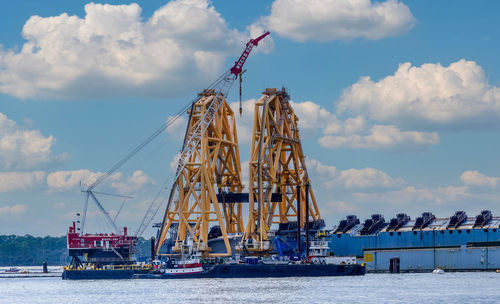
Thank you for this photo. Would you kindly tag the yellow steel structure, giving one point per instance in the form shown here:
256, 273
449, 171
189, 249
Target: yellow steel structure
214, 165
276, 167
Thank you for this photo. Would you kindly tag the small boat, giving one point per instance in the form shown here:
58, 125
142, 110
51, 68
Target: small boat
438, 271
13, 270
189, 264
276, 260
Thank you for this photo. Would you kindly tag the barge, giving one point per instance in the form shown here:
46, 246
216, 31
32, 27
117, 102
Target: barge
264, 271
101, 256
456, 243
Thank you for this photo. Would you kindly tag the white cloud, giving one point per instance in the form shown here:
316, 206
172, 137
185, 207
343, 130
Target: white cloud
175, 161
111, 51
357, 133
367, 178
326, 20
318, 169
13, 210
475, 178
138, 180
412, 199
266, 45
414, 194
25, 149
312, 117
70, 180
245, 173
428, 97
244, 123
337, 207
178, 127
60, 205
10, 181
354, 132
404, 111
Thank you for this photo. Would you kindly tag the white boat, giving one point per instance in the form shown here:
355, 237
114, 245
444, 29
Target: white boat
319, 253
186, 265
189, 267
438, 271
275, 260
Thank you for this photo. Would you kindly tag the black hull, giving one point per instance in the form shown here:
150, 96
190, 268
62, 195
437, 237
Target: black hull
265, 271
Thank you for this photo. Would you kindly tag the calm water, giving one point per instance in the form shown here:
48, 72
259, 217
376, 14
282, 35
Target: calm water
372, 288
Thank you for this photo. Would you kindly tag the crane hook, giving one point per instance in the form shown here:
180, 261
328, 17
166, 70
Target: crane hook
241, 73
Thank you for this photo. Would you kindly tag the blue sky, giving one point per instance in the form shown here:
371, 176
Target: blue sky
399, 100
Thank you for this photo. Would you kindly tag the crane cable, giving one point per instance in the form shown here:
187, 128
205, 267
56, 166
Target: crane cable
138, 148
160, 130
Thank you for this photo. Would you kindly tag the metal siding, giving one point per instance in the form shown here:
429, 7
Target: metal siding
462, 258
416, 248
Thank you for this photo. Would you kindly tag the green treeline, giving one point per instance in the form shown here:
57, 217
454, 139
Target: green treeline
28, 250
32, 251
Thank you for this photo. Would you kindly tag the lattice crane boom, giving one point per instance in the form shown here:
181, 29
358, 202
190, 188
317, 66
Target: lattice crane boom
277, 172
221, 88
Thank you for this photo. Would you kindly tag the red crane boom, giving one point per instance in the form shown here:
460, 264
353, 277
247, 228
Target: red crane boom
238, 65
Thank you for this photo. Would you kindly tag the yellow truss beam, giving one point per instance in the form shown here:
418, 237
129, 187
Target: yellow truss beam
276, 165
215, 164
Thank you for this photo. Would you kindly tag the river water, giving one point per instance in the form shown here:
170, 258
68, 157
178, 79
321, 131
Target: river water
372, 288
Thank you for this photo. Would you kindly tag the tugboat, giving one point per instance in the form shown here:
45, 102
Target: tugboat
320, 253
186, 265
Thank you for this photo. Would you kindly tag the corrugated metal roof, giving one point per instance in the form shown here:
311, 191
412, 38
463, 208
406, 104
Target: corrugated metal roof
436, 224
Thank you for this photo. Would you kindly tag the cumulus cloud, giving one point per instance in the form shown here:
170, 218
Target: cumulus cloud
60, 205
174, 162
337, 207
13, 210
322, 171
244, 123
138, 180
178, 127
330, 177
431, 96
358, 133
112, 51
367, 178
10, 181
416, 194
398, 196
405, 111
475, 178
312, 117
25, 149
320, 20
70, 180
